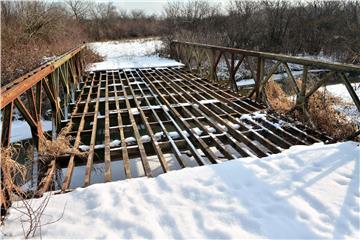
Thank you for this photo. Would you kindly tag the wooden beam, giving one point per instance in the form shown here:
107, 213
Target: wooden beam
107, 158
7, 113
17, 87
279, 57
351, 90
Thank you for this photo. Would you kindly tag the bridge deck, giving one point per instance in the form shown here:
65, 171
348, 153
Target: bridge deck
144, 122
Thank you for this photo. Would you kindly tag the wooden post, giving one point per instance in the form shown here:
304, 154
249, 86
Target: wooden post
5, 142
259, 77
301, 100
6, 124
350, 89
173, 51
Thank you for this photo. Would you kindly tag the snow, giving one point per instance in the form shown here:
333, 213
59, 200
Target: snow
304, 192
258, 115
223, 127
130, 140
246, 117
145, 138
174, 135
339, 90
115, 143
347, 107
234, 125
20, 129
84, 148
197, 131
158, 135
210, 129
130, 54
209, 101
134, 111
254, 115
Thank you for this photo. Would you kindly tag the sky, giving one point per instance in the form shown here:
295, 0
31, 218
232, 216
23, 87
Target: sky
149, 6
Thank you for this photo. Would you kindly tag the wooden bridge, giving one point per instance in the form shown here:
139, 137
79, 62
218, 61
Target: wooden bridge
162, 119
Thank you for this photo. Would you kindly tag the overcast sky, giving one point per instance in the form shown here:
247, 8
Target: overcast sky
149, 6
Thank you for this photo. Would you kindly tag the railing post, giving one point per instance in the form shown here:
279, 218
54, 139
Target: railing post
212, 66
5, 200
5, 142
350, 89
301, 100
6, 124
259, 77
173, 51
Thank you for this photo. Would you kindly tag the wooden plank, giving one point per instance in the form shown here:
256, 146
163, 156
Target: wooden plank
251, 108
154, 142
107, 158
204, 147
125, 155
46, 182
222, 148
90, 157
236, 134
193, 149
173, 145
71, 164
142, 152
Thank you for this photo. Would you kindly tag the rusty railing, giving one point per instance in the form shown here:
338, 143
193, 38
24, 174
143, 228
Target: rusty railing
204, 59
58, 79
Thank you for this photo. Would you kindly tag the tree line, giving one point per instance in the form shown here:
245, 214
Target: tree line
34, 31
291, 27
31, 30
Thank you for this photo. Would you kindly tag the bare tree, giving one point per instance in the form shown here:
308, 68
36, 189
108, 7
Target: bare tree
80, 9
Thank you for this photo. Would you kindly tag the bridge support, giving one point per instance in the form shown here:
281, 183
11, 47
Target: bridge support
25, 93
233, 58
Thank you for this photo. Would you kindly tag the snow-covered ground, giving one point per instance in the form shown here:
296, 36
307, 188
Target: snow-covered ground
304, 192
347, 107
130, 54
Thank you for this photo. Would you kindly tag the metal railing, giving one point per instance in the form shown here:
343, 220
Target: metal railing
58, 79
204, 59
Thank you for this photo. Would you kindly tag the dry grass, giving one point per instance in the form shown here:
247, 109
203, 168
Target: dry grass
277, 97
321, 108
90, 56
325, 117
12, 173
51, 149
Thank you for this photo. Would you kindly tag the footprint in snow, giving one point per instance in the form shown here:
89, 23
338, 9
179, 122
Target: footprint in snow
346, 175
341, 182
134, 211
